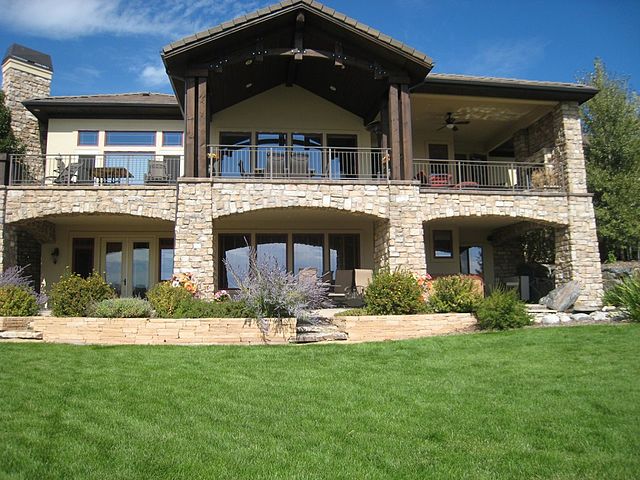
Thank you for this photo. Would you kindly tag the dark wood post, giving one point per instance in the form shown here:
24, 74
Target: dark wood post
203, 127
384, 123
394, 133
190, 127
407, 134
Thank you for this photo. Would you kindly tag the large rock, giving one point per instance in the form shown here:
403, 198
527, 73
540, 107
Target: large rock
562, 298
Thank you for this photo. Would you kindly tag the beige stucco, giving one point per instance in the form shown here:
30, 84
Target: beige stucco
289, 110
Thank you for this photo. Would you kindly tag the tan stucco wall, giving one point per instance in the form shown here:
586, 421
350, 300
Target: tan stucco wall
289, 110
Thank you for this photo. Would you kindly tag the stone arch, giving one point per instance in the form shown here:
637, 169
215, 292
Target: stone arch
27, 204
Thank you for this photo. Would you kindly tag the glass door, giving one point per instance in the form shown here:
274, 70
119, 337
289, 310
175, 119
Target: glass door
127, 267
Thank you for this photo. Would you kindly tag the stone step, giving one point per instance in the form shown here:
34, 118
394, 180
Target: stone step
329, 328
534, 308
320, 337
20, 334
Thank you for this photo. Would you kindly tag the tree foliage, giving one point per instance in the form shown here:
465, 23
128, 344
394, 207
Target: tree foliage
611, 122
8, 141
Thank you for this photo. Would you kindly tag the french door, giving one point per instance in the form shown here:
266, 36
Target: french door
126, 263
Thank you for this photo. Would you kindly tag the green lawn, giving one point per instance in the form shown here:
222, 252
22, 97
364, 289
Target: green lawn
535, 403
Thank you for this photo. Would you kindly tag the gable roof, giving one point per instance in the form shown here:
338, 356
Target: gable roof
244, 21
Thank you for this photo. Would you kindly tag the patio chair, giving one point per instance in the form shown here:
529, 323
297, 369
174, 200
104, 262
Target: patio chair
342, 286
275, 164
444, 180
299, 164
363, 278
68, 174
156, 173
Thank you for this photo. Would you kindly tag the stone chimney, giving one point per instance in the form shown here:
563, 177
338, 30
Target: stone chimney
26, 74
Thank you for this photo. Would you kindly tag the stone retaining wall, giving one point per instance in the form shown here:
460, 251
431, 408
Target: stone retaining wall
159, 331
380, 328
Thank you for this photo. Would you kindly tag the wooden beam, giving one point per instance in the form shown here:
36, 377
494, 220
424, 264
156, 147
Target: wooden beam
299, 38
394, 133
407, 134
203, 127
384, 123
190, 127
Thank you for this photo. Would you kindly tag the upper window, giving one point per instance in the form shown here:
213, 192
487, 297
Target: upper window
442, 244
88, 137
171, 139
136, 139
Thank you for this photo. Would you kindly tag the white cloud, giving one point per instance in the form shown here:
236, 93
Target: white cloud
154, 76
79, 18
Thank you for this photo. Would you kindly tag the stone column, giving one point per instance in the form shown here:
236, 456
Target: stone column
194, 238
568, 143
577, 256
399, 242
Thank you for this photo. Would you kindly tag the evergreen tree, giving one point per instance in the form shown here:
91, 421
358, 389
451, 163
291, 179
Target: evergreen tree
611, 122
8, 141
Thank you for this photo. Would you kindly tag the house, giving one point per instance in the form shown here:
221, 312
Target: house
317, 140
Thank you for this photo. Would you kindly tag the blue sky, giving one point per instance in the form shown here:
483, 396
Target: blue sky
111, 46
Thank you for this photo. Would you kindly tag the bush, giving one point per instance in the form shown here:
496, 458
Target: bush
393, 293
352, 312
121, 308
196, 308
454, 293
501, 310
626, 295
72, 294
164, 298
17, 302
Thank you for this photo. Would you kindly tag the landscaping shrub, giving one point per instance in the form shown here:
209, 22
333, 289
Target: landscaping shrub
197, 308
17, 302
164, 298
393, 293
271, 292
501, 310
454, 293
17, 295
626, 295
121, 308
352, 312
72, 294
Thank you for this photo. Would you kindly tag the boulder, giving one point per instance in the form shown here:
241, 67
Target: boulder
580, 317
563, 297
599, 316
551, 319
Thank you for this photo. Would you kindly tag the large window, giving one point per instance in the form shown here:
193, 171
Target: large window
88, 137
166, 259
344, 252
271, 248
344, 156
130, 139
235, 157
308, 252
442, 244
235, 249
171, 139
471, 260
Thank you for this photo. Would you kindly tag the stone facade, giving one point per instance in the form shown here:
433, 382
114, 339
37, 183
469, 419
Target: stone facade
23, 82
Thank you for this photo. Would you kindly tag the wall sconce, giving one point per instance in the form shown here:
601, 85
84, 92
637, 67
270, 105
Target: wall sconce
55, 253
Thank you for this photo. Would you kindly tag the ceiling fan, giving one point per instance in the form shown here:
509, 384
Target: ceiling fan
451, 123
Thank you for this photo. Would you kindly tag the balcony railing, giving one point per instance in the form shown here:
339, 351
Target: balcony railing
481, 175
94, 170
296, 162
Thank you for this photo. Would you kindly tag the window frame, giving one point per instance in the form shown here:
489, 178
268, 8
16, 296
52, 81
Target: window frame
80, 144
435, 243
108, 144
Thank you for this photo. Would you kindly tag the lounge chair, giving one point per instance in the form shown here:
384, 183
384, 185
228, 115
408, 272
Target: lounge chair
342, 286
363, 278
157, 173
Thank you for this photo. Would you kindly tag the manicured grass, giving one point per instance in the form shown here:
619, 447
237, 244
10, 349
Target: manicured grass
537, 403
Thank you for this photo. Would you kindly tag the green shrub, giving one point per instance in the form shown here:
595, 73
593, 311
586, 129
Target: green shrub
454, 293
501, 310
626, 295
17, 302
164, 298
121, 308
196, 308
72, 294
393, 293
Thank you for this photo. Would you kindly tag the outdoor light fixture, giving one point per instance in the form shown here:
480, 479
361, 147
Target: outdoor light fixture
249, 61
450, 126
248, 85
55, 253
332, 88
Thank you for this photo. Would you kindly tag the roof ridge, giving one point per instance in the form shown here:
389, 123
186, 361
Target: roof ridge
93, 95
443, 75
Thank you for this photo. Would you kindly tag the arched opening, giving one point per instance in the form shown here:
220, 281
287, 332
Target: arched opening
322, 240
132, 253
510, 251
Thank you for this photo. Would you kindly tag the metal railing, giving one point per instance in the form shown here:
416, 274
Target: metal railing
296, 162
111, 169
489, 175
